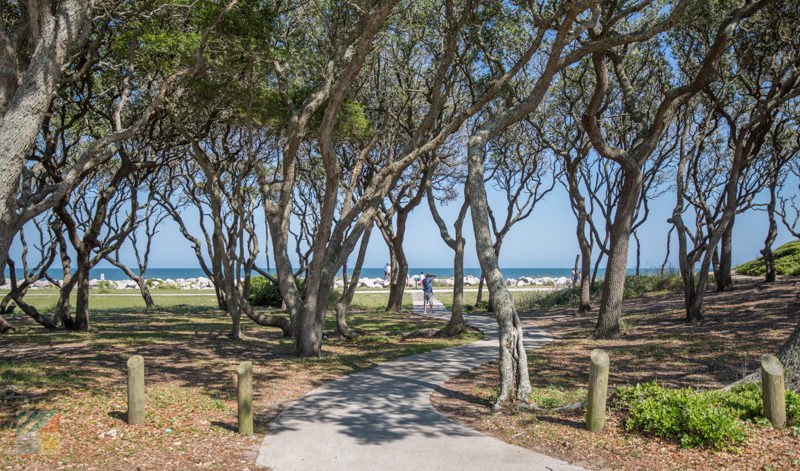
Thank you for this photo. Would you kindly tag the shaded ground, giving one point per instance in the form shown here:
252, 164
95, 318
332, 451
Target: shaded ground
740, 326
190, 365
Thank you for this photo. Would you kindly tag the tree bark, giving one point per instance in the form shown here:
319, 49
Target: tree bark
5, 327
24, 101
82, 295
349, 289
456, 323
18, 296
146, 296
772, 233
607, 326
722, 276
63, 311
789, 354
400, 273
513, 365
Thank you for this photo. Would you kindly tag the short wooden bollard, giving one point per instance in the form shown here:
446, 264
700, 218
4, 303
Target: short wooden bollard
598, 391
244, 393
772, 390
136, 390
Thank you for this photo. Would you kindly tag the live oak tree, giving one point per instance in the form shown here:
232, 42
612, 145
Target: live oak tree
563, 33
341, 226
51, 44
392, 218
140, 240
85, 218
783, 148
518, 168
650, 121
752, 98
452, 175
45, 249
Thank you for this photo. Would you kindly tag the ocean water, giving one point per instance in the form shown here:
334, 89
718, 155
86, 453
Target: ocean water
175, 273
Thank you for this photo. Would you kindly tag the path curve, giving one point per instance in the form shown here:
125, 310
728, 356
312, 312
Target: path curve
382, 418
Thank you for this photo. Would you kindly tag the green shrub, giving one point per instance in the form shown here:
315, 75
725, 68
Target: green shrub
482, 306
787, 262
747, 401
711, 419
263, 292
692, 418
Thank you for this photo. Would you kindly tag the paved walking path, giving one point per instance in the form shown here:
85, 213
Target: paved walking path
382, 419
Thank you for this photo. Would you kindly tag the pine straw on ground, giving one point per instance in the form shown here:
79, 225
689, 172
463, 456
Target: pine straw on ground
740, 326
190, 405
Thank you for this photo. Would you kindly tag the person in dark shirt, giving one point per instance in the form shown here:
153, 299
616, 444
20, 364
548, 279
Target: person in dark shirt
427, 290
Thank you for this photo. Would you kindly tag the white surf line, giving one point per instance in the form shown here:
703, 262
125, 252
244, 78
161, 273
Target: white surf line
379, 291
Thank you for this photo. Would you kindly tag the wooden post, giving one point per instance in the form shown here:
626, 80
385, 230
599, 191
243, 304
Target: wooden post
772, 390
136, 390
598, 391
244, 392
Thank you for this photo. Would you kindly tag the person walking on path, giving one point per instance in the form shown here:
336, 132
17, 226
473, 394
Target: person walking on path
387, 271
427, 290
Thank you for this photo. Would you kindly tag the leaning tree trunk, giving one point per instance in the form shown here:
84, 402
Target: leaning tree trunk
267, 320
146, 296
723, 276
772, 234
63, 310
398, 278
6, 307
82, 295
5, 327
789, 354
607, 326
18, 296
513, 365
350, 289
456, 323
586, 269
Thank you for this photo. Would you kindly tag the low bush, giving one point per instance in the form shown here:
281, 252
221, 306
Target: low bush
709, 419
264, 292
692, 418
747, 401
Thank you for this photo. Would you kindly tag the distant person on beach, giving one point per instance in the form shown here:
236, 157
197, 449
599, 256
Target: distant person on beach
427, 290
420, 279
387, 271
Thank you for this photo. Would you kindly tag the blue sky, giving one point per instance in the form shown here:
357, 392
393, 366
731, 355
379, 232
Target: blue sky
545, 240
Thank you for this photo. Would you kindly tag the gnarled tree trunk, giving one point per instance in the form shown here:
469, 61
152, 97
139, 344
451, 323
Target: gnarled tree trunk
607, 326
772, 233
514, 377
722, 275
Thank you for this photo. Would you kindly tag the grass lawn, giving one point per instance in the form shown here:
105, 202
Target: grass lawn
740, 326
471, 297
190, 362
